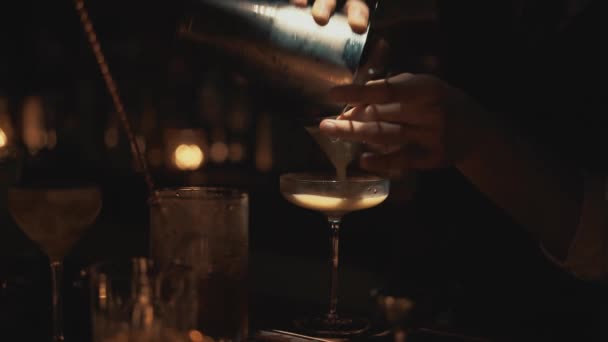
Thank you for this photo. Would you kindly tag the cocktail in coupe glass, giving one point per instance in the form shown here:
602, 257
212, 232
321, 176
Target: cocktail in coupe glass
334, 198
55, 219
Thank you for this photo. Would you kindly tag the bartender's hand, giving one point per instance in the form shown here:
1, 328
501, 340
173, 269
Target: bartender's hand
410, 122
356, 10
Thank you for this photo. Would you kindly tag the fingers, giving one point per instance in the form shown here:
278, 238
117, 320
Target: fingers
358, 15
392, 112
371, 132
300, 3
354, 112
322, 10
357, 12
375, 132
377, 92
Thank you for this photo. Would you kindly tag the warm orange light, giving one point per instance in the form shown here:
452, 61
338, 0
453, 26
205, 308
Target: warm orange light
6, 128
195, 336
236, 152
219, 152
34, 132
3, 138
188, 157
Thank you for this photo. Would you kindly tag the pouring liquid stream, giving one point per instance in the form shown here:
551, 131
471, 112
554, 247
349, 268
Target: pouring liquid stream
339, 152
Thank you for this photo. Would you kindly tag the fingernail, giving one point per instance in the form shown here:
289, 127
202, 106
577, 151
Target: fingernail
358, 21
320, 13
327, 126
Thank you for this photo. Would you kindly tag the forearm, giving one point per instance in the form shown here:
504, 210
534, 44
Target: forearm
538, 192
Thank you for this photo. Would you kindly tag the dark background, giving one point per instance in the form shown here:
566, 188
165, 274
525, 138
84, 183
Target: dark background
436, 239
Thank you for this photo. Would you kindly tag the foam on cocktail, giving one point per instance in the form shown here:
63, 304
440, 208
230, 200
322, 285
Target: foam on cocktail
333, 204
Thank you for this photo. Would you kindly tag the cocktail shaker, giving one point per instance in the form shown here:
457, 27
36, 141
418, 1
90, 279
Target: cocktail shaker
286, 46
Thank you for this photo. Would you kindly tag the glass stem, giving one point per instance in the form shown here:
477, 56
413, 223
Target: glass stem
334, 225
56, 277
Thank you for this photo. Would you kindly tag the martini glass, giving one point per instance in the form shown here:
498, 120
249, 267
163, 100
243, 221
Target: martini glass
55, 218
333, 198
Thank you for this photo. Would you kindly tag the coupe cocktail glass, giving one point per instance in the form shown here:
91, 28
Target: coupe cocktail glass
55, 219
334, 198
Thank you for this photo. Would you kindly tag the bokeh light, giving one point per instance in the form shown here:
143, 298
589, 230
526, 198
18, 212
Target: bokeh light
188, 157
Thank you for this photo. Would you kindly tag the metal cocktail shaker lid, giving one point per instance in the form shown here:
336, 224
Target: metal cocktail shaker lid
283, 44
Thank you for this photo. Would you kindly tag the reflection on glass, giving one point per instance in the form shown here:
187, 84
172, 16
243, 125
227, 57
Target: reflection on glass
134, 301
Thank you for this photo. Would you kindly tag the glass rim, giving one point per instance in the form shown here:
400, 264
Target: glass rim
201, 193
320, 178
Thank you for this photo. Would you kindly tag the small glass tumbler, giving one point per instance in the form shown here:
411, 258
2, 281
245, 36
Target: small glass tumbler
206, 229
132, 301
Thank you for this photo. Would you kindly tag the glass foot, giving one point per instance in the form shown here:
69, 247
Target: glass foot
332, 326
